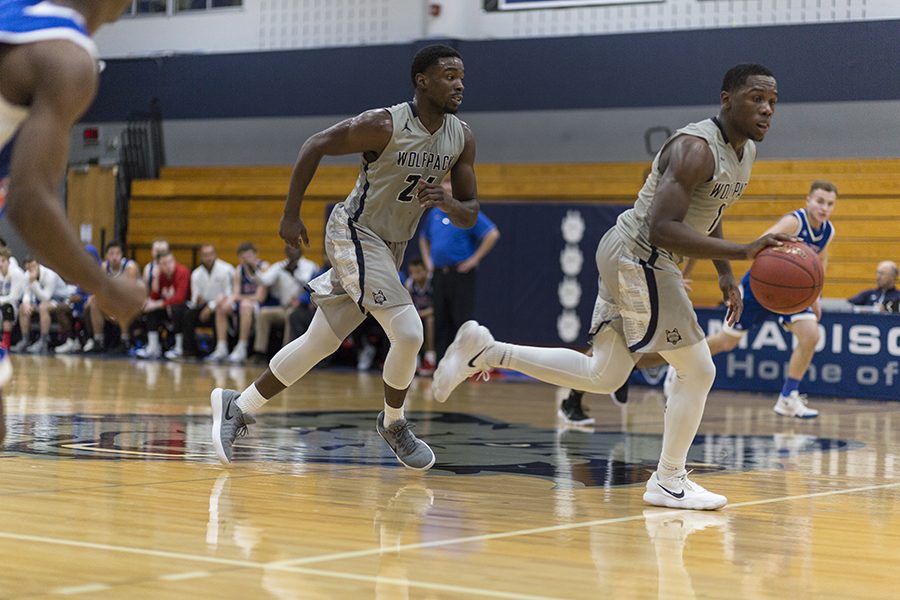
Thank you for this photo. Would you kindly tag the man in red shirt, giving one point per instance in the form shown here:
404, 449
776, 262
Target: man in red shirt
170, 289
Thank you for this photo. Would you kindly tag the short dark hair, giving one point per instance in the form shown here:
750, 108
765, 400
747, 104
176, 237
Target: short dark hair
114, 244
820, 184
415, 261
246, 246
429, 55
738, 74
29, 259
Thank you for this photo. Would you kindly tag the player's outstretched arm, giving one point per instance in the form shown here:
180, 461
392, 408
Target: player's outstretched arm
368, 134
61, 83
460, 205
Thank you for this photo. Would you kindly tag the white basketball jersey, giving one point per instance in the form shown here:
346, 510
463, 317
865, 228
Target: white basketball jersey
708, 201
383, 199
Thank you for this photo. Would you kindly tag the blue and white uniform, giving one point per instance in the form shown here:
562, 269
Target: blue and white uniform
754, 313
27, 22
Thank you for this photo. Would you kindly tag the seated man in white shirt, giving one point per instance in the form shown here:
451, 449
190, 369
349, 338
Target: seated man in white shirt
212, 285
285, 281
47, 294
12, 287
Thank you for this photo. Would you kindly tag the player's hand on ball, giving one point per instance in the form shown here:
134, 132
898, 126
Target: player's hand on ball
293, 231
770, 239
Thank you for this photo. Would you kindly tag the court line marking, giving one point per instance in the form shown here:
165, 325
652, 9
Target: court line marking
81, 589
563, 527
233, 473
256, 565
293, 566
184, 576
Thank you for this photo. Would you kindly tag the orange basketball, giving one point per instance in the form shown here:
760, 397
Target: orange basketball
787, 279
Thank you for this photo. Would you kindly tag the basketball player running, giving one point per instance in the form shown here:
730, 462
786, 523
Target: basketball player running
811, 225
407, 149
642, 306
48, 78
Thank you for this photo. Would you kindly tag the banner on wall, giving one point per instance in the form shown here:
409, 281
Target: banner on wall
538, 286
858, 356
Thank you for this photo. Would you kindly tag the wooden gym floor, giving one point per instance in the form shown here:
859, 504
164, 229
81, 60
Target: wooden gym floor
109, 489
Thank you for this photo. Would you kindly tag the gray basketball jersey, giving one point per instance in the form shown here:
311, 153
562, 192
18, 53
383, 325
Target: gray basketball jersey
384, 196
708, 201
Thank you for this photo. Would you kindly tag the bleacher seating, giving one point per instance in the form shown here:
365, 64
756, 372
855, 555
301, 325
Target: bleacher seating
227, 205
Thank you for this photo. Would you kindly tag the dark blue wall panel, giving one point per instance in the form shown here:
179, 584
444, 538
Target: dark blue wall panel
518, 282
814, 63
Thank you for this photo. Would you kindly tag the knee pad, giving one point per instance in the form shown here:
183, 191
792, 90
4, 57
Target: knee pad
295, 359
694, 366
404, 327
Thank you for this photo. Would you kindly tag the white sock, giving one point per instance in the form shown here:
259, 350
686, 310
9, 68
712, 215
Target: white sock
392, 414
241, 345
179, 342
153, 341
666, 469
250, 399
221, 347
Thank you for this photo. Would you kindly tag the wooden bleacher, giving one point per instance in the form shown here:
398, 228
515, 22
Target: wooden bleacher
227, 205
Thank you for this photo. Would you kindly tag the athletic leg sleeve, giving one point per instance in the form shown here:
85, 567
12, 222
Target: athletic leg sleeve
695, 373
296, 359
403, 327
602, 373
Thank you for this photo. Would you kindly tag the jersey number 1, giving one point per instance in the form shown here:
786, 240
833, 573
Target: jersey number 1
413, 180
716, 220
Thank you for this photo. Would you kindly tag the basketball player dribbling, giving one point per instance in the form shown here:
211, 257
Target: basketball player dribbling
407, 149
642, 306
48, 78
812, 226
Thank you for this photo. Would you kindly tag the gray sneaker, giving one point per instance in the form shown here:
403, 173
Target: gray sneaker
412, 452
229, 423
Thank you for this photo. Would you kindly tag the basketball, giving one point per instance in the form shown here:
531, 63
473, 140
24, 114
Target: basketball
787, 279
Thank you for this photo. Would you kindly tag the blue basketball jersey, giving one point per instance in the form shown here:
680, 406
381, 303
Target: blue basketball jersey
27, 22
818, 239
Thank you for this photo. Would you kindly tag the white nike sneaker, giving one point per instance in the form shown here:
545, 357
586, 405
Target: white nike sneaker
681, 492
465, 357
794, 405
669, 381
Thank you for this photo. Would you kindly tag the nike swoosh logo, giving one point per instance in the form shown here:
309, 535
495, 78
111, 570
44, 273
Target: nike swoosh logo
474, 358
679, 495
229, 416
